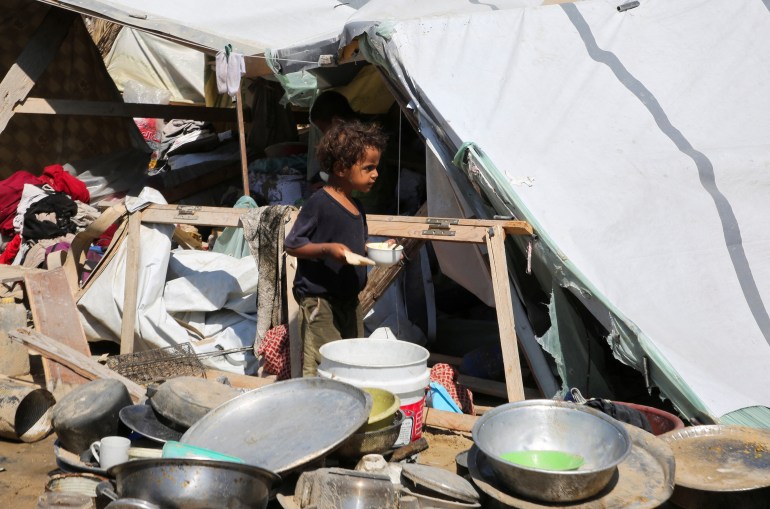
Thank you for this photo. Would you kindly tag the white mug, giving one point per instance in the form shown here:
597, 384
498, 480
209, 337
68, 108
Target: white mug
110, 451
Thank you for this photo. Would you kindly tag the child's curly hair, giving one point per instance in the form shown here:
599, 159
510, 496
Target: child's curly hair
345, 144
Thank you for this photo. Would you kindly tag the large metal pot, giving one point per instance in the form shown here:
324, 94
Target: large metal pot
183, 483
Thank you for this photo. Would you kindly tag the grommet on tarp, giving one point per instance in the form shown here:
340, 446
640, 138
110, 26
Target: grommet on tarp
627, 6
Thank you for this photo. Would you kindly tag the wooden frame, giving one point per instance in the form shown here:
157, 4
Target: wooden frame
490, 233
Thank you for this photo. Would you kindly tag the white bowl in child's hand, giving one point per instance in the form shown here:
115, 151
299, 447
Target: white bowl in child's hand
383, 253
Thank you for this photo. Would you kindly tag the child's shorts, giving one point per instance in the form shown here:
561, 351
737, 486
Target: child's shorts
323, 320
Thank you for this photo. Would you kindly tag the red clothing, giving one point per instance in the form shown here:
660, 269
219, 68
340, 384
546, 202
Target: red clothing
10, 194
11, 250
60, 180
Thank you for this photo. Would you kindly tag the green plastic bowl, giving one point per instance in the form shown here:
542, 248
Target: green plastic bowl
545, 460
385, 404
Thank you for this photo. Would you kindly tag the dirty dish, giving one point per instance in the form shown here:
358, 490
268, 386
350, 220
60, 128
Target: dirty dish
644, 479
721, 466
384, 254
602, 441
545, 460
284, 425
377, 441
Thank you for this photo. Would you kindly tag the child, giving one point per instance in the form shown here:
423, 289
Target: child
331, 223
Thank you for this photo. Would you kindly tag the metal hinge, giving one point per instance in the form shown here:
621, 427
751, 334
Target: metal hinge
440, 227
188, 212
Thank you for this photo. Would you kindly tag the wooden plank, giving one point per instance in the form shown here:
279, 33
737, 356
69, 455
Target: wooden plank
33, 60
55, 314
296, 345
13, 273
510, 227
461, 233
40, 106
242, 142
193, 214
498, 264
131, 282
449, 420
82, 364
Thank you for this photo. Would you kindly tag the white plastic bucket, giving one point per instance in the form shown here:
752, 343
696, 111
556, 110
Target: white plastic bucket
396, 366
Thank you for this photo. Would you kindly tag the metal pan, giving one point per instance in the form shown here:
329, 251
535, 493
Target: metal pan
721, 466
285, 425
144, 420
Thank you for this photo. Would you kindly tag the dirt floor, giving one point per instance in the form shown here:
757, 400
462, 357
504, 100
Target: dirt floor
28, 466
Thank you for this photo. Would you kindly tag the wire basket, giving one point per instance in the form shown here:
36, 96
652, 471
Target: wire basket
158, 364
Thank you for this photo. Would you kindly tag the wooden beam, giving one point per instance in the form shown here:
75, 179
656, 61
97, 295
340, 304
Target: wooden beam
449, 420
439, 229
39, 106
242, 142
54, 313
131, 283
33, 60
193, 214
501, 286
74, 360
296, 345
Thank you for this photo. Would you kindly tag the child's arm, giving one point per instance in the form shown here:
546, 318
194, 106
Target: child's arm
312, 250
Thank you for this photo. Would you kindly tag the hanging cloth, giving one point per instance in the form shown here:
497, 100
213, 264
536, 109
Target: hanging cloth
229, 67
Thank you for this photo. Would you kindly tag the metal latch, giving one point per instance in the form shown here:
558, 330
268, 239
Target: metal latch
188, 212
441, 227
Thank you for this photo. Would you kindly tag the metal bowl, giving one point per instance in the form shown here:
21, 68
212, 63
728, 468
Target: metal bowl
552, 425
378, 441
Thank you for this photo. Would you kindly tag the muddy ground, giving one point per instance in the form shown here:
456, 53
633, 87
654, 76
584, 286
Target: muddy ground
28, 466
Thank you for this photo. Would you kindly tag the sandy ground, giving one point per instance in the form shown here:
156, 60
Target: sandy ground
28, 466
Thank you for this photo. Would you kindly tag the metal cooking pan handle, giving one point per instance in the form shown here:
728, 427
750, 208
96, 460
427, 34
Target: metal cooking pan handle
105, 489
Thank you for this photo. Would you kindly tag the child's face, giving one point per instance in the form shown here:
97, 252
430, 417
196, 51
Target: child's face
363, 174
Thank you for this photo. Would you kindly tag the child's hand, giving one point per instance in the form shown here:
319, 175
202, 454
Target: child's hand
335, 251
391, 242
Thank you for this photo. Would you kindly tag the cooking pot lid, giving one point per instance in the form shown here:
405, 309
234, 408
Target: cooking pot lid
144, 420
646, 476
721, 458
440, 481
186, 399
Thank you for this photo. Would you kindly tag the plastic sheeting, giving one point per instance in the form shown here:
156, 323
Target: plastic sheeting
156, 63
211, 293
636, 143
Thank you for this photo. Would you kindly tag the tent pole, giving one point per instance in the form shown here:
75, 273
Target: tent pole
242, 141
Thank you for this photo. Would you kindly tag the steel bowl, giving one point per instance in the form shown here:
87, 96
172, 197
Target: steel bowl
183, 483
378, 441
602, 441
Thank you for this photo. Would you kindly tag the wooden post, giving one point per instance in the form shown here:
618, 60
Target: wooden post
33, 60
295, 340
498, 264
242, 141
131, 282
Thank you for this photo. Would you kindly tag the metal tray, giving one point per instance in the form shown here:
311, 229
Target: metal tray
645, 479
721, 458
285, 425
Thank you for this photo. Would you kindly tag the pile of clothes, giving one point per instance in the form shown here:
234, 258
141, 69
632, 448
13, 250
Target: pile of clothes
41, 214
